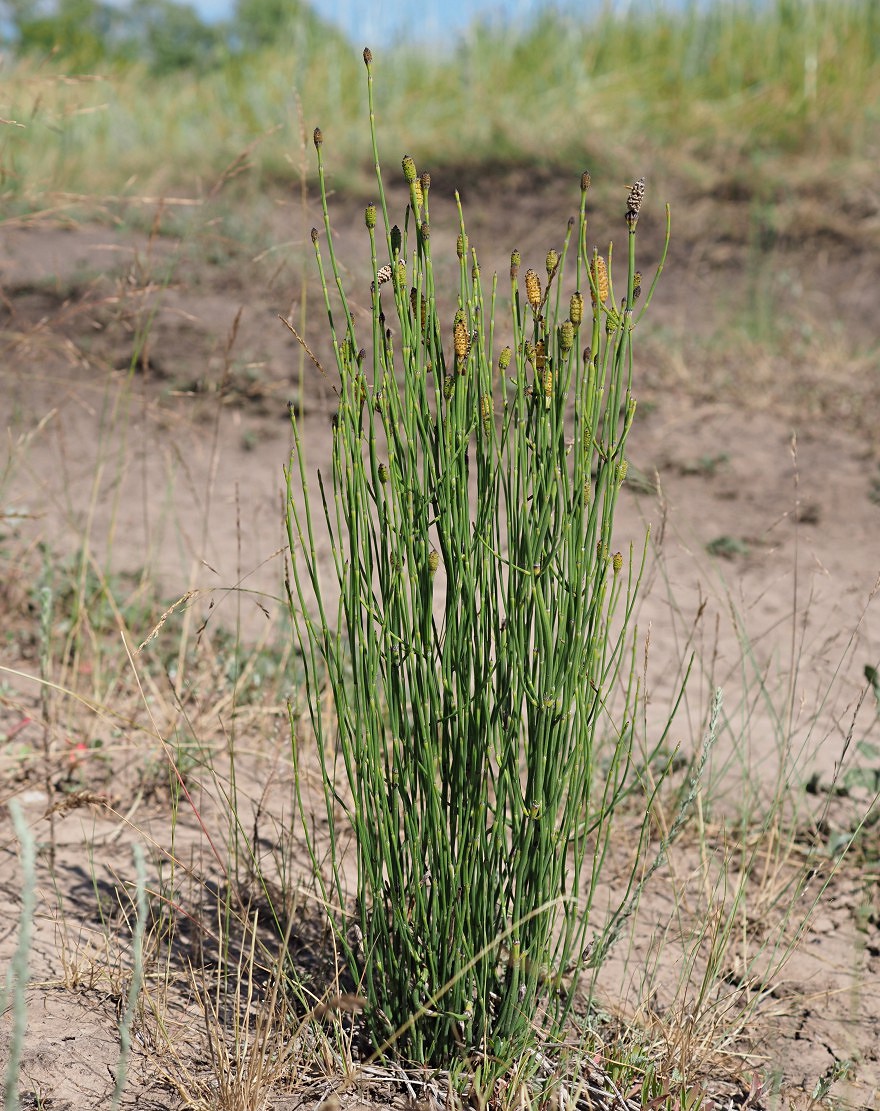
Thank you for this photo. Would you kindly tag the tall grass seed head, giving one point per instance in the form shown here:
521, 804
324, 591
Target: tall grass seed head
504, 359
383, 473
533, 289
370, 216
552, 263
599, 285
409, 170
401, 272
637, 285
576, 309
396, 240
418, 193
617, 562
515, 261
433, 562
547, 381
486, 411
314, 234
461, 340
540, 356
424, 230
425, 183
318, 138
634, 203
383, 275
585, 181
461, 245
622, 468
423, 317
368, 56
566, 336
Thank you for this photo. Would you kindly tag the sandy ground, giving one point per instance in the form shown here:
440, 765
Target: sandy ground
143, 422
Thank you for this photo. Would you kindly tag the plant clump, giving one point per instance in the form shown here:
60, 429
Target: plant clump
474, 638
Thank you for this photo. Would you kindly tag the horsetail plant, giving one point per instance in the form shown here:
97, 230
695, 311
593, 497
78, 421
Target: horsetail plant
475, 641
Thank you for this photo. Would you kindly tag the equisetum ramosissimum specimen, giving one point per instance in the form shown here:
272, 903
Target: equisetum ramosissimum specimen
475, 636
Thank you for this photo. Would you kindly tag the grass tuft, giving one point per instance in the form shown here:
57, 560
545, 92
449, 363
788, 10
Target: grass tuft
474, 638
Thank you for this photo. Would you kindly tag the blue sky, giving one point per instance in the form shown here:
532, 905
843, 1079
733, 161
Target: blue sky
378, 22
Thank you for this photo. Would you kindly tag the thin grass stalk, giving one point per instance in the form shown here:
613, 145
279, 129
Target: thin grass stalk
478, 665
15, 994
137, 976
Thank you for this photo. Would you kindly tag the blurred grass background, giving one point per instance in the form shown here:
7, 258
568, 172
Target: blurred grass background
734, 97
